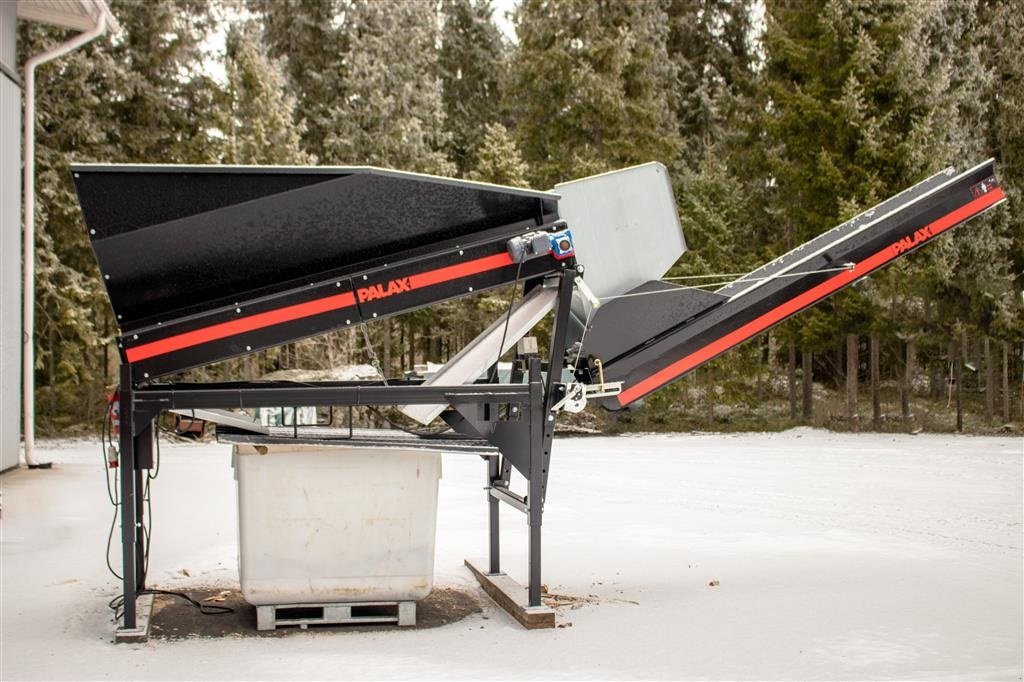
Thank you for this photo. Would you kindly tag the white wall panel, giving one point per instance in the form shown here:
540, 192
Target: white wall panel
10, 270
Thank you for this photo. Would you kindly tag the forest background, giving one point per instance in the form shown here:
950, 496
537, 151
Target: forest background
777, 120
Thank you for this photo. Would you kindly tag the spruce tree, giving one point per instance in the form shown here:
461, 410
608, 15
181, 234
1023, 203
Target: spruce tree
854, 114
305, 34
710, 43
259, 113
589, 87
166, 102
392, 114
498, 159
136, 97
471, 63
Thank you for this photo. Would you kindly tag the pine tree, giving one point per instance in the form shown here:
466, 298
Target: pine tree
471, 63
259, 113
589, 87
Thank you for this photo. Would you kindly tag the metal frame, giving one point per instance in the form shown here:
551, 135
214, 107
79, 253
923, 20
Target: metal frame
518, 418
515, 418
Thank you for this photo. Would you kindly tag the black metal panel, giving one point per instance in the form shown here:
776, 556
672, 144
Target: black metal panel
894, 232
646, 311
400, 288
173, 241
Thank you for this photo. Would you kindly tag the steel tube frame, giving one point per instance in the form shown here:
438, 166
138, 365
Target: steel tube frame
128, 504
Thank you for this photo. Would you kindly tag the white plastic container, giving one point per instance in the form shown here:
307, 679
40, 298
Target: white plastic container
321, 525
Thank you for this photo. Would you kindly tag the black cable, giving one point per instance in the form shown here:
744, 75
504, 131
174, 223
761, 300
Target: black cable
113, 493
414, 432
493, 375
110, 539
105, 442
155, 471
117, 603
146, 524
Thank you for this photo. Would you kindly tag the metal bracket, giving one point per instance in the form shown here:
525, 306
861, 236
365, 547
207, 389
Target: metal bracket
577, 394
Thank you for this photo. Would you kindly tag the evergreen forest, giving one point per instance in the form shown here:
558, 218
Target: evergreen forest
777, 120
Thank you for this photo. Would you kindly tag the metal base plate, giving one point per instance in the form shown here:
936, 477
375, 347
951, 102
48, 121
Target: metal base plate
139, 633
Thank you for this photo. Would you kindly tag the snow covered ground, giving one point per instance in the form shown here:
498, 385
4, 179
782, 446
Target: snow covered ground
837, 557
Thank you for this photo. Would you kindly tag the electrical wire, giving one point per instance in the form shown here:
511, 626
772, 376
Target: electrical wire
113, 492
110, 539
117, 603
675, 290
583, 336
723, 275
422, 433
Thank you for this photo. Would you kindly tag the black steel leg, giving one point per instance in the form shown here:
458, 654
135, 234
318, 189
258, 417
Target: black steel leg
143, 451
140, 539
535, 495
494, 534
128, 498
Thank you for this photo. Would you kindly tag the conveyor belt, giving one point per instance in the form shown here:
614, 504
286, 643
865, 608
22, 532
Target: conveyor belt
648, 342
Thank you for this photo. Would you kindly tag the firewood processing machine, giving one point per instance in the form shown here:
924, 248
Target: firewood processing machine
206, 263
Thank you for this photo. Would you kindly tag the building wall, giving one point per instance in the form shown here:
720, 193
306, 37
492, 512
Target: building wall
10, 240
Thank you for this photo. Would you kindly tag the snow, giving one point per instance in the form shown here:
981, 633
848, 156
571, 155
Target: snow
838, 556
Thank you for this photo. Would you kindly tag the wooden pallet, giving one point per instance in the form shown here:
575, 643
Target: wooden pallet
272, 617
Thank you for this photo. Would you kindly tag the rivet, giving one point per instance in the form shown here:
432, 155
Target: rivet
119, 317
92, 231
348, 321
461, 252
248, 347
136, 336
365, 277
375, 314
238, 310
145, 374
551, 417
471, 288
337, 284
77, 175
108, 277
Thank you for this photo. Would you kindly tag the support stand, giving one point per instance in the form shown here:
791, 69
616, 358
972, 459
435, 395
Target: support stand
515, 418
